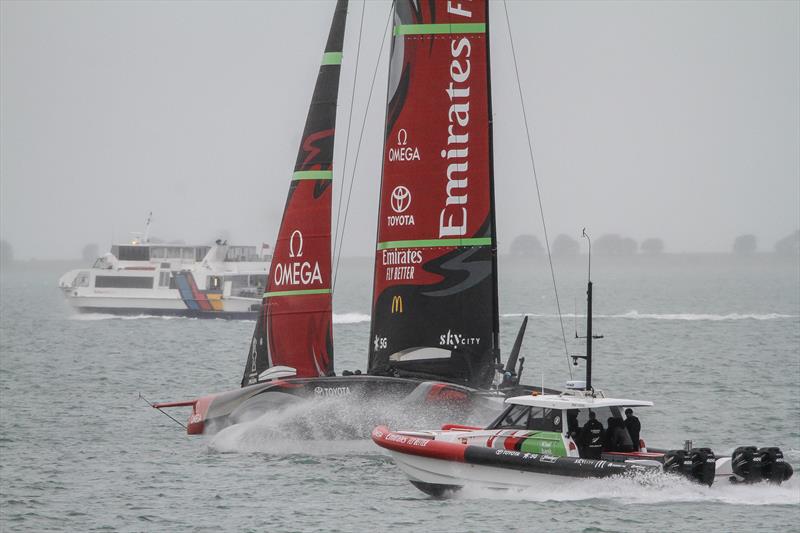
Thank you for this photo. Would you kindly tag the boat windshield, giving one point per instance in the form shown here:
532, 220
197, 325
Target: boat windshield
526, 417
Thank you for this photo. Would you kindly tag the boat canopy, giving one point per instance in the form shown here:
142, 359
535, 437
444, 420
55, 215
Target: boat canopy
566, 401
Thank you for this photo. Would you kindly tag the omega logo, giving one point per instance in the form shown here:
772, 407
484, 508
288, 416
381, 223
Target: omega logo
299, 235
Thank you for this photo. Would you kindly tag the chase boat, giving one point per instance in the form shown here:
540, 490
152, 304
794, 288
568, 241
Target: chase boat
537, 437
531, 440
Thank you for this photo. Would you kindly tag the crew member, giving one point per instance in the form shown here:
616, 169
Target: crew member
633, 426
617, 437
573, 429
592, 438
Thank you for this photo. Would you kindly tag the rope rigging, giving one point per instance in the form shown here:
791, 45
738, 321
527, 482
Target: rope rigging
538, 193
338, 254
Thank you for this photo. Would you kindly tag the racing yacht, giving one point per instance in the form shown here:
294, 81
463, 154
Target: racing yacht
434, 335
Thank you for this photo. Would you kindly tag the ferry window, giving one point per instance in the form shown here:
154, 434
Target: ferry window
101, 263
134, 253
214, 283
124, 282
163, 279
188, 254
81, 280
237, 282
258, 281
173, 252
241, 253
200, 252
158, 252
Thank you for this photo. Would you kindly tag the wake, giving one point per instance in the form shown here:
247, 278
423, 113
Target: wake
332, 425
635, 315
91, 317
649, 488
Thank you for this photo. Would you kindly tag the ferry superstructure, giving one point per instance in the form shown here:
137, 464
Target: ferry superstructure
216, 281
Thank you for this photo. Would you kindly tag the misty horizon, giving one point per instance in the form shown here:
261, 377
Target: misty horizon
110, 111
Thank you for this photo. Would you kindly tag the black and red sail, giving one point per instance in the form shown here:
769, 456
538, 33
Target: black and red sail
295, 324
435, 295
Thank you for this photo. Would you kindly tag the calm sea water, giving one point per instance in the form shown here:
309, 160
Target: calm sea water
713, 341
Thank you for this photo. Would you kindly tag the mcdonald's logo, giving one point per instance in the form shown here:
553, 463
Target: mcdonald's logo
397, 304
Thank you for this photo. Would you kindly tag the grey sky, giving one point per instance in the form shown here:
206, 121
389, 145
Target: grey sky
675, 120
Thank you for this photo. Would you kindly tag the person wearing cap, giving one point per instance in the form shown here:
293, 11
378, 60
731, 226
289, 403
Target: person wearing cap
633, 426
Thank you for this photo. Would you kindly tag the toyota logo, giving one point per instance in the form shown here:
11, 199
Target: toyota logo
401, 199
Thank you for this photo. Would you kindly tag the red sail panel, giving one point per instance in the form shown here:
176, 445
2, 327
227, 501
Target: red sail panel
433, 302
295, 324
297, 304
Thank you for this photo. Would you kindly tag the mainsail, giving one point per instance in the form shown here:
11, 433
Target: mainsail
294, 326
434, 311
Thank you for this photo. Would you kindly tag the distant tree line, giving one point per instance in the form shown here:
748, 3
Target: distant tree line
613, 244
565, 246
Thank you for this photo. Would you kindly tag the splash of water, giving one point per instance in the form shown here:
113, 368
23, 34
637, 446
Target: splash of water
648, 488
310, 427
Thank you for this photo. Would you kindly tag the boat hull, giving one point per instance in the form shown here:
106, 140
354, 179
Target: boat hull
396, 398
442, 461
161, 311
437, 467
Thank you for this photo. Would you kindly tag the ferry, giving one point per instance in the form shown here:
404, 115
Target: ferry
145, 278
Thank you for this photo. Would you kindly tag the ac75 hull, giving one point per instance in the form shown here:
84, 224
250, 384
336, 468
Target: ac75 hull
437, 402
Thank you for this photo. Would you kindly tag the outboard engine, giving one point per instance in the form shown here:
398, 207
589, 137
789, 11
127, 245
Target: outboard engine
751, 465
697, 464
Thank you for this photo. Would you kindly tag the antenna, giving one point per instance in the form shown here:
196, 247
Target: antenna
589, 335
146, 237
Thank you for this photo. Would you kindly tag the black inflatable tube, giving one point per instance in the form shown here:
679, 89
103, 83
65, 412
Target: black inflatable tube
548, 464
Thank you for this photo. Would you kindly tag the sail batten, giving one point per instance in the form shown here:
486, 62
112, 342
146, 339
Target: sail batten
434, 282
294, 328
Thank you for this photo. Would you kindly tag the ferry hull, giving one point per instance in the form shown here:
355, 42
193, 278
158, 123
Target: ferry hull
156, 311
233, 308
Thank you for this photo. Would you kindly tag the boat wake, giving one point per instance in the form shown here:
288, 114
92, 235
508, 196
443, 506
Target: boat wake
350, 318
649, 488
357, 318
635, 315
90, 317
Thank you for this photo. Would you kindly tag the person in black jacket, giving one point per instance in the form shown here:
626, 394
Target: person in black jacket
592, 438
633, 426
617, 437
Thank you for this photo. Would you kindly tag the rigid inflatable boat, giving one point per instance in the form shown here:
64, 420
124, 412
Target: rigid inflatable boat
538, 437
